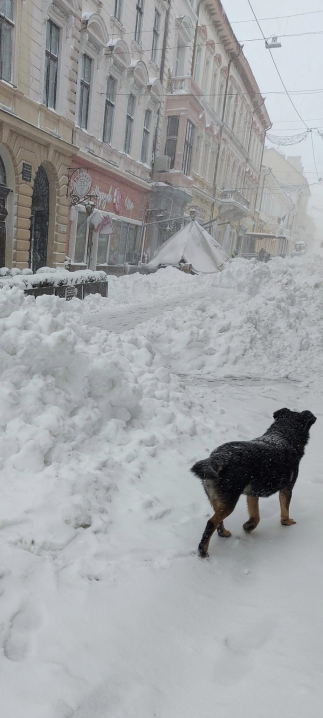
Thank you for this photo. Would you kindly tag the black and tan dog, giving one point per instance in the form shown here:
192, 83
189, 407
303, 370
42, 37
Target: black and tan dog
256, 468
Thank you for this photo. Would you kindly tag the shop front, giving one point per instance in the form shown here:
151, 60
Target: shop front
110, 244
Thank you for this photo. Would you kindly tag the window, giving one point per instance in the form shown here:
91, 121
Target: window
154, 46
81, 239
188, 144
180, 59
171, 138
51, 64
6, 39
235, 112
198, 59
118, 9
221, 98
139, 18
206, 159
129, 124
206, 76
109, 109
85, 91
124, 245
214, 99
197, 154
146, 136
212, 167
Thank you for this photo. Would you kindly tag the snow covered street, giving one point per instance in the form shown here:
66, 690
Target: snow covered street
106, 610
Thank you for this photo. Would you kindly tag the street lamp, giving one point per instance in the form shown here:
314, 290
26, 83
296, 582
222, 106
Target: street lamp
272, 43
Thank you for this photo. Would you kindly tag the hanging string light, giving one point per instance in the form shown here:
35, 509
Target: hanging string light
290, 140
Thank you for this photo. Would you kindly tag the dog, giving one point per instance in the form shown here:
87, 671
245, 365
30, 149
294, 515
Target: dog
256, 468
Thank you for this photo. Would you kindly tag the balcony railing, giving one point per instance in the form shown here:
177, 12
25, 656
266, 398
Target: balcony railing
232, 195
180, 84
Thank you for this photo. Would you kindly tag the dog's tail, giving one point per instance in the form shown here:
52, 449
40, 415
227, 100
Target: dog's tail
204, 470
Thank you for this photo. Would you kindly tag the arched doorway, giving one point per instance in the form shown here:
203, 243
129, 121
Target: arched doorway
39, 221
4, 191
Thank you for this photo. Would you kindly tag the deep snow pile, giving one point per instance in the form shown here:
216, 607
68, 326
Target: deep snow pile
106, 611
256, 319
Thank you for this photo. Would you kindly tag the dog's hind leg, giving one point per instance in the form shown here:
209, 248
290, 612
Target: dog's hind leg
221, 512
284, 499
253, 508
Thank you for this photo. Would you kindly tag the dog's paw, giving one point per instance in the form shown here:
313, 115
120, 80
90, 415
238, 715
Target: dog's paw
288, 522
250, 525
224, 533
203, 552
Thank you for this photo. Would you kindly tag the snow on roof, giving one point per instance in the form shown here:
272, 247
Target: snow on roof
194, 245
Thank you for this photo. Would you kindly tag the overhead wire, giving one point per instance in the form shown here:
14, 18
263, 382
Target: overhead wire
285, 88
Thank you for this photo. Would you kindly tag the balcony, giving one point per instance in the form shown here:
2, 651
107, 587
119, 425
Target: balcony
183, 86
232, 204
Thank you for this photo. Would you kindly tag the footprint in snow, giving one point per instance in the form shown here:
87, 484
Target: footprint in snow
17, 644
239, 651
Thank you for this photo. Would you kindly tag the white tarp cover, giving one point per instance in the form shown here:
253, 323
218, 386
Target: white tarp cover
194, 245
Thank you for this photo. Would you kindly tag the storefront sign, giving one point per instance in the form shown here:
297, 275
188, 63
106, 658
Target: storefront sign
82, 184
128, 204
117, 199
103, 198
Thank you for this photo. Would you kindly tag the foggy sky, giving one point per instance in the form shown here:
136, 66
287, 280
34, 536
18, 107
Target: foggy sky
300, 62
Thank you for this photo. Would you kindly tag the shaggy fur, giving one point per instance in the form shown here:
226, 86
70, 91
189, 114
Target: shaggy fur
256, 468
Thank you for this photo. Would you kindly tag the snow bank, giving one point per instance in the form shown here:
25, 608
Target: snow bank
257, 320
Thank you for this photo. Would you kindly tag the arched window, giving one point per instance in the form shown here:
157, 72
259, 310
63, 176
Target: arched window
2, 173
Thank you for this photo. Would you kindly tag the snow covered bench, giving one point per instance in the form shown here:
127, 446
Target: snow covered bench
56, 281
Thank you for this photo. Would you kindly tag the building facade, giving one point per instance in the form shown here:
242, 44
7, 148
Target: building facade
215, 120
80, 111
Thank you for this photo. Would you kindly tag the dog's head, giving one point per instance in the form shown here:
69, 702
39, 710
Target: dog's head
302, 419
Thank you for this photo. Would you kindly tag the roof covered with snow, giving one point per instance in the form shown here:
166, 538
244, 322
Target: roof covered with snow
194, 245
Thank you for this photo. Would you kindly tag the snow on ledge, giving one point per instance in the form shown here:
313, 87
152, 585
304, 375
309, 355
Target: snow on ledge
49, 277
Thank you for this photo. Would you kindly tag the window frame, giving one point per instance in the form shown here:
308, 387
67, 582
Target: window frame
51, 57
188, 148
118, 7
171, 138
110, 104
156, 35
139, 20
146, 136
130, 118
9, 23
85, 85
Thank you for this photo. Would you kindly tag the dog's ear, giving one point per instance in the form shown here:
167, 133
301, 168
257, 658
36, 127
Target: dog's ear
309, 418
280, 413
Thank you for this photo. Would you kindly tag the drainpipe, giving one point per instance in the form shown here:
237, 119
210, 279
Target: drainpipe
232, 59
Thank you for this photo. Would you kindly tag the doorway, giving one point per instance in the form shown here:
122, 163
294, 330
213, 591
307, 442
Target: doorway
4, 191
39, 221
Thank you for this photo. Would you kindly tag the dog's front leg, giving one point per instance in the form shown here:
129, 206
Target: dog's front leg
253, 508
285, 498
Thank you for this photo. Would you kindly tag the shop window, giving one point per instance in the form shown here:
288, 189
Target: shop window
81, 239
123, 246
6, 39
